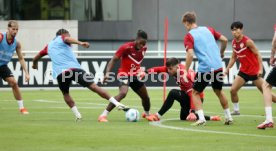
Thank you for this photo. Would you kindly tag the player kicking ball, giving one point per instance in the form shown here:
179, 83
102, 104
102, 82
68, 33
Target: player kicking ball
66, 69
183, 96
8, 45
131, 55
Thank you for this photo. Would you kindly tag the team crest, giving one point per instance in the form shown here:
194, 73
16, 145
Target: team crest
241, 45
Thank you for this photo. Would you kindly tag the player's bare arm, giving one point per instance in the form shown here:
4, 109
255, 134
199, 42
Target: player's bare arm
109, 67
35, 60
231, 63
189, 59
223, 45
22, 61
74, 41
250, 44
273, 50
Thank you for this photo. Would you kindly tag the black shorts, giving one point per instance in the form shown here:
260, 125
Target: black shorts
271, 78
203, 79
5, 72
133, 82
247, 77
78, 75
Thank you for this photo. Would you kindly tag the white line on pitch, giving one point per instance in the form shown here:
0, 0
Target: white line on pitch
160, 124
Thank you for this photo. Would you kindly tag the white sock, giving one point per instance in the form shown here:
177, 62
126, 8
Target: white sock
76, 112
105, 113
227, 113
159, 116
20, 104
236, 106
268, 114
147, 113
201, 115
114, 101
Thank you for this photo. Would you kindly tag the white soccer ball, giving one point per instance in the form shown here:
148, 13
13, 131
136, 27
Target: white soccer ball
132, 115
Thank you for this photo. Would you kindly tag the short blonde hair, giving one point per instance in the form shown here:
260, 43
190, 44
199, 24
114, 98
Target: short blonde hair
12, 23
189, 17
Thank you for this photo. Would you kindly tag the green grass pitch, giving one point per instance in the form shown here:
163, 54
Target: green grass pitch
50, 126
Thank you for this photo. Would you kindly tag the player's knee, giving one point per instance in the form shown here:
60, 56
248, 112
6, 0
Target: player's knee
122, 95
196, 92
173, 92
233, 91
13, 84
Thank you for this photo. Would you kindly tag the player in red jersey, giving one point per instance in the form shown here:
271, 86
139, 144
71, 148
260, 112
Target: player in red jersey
267, 88
183, 96
131, 55
251, 68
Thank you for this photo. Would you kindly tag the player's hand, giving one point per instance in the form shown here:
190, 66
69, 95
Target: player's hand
222, 55
27, 77
272, 61
141, 74
260, 73
34, 66
191, 117
226, 72
152, 117
85, 44
106, 76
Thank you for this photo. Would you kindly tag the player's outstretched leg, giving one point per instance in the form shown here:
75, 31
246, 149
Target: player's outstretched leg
143, 94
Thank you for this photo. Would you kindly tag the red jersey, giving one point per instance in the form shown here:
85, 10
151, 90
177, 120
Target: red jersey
130, 58
185, 83
248, 60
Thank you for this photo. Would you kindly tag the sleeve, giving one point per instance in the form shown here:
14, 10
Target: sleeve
188, 41
157, 69
44, 51
214, 32
2, 36
121, 51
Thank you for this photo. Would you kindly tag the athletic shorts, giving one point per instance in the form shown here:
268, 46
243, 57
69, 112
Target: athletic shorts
203, 79
271, 78
5, 72
78, 75
247, 77
133, 82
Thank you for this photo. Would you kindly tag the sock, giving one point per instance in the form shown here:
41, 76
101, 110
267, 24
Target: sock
114, 101
158, 115
105, 113
147, 113
236, 106
227, 113
201, 115
268, 114
76, 112
20, 104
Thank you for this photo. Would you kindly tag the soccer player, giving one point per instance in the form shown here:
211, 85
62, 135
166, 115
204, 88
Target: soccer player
131, 55
66, 69
183, 96
201, 41
251, 68
267, 86
8, 45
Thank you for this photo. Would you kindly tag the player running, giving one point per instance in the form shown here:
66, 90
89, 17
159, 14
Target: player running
251, 68
8, 45
201, 40
183, 96
267, 88
131, 55
66, 69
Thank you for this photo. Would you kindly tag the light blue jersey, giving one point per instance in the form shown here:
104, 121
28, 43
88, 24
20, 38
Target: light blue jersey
206, 49
62, 56
6, 50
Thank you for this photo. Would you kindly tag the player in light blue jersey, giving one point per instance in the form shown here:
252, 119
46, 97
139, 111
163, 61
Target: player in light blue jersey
201, 41
8, 45
66, 69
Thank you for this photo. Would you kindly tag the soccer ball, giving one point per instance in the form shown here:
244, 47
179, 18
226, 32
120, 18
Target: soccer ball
132, 115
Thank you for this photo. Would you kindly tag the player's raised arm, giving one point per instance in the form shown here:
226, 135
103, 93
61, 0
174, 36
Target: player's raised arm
74, 41
22, 61
250, 44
